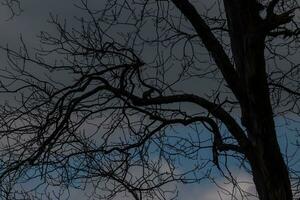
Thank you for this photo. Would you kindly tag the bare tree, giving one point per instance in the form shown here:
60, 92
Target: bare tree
128, 100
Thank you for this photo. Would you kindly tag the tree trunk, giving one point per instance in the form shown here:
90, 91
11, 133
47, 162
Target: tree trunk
247, 34
269, 171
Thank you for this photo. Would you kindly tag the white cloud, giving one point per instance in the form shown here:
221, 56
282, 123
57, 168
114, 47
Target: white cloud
245, 189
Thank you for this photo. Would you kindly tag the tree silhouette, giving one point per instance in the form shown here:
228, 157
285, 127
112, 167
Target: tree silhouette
139, 94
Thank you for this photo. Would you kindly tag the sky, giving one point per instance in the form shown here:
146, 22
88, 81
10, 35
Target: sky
34, 19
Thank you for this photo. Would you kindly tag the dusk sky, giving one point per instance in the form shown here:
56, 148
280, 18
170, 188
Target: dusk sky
33, 19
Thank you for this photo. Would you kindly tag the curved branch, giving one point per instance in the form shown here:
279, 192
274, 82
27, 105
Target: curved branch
212, 108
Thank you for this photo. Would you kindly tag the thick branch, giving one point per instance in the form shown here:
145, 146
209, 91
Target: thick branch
212, 45
212, 108
271, 6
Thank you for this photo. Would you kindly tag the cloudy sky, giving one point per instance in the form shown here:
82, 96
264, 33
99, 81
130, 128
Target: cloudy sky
34, 19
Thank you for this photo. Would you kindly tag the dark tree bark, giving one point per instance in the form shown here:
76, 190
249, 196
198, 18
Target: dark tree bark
247, 33
249, 83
